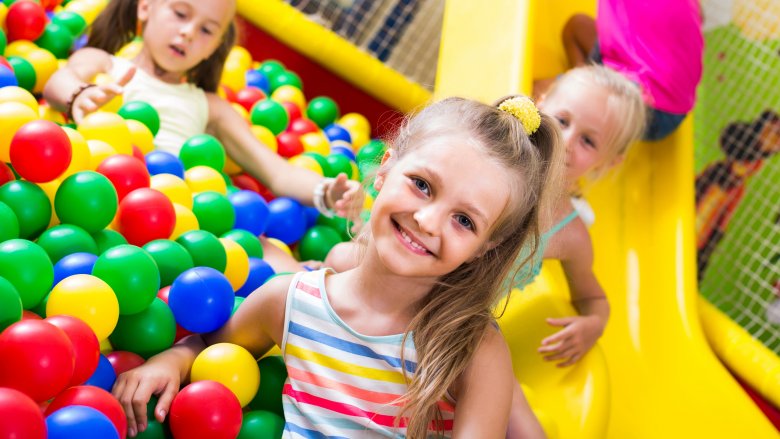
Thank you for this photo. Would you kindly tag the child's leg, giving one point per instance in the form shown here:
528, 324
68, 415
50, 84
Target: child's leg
278, 259
522, 422
579, 37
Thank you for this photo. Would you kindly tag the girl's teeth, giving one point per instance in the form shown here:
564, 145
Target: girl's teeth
412, 243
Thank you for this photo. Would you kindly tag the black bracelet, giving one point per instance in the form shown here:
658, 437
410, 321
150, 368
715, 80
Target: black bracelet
73, 97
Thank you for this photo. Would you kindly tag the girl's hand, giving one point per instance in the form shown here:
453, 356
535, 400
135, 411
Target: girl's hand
570, 344
346, 197
135, 387
92, 98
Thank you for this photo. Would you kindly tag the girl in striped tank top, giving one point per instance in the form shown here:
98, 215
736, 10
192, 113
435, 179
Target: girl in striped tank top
404, 344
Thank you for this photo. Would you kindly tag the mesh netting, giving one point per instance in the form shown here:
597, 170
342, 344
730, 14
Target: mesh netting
404, 34
737, 139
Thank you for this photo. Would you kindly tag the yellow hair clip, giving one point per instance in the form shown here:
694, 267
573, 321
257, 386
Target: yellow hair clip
524, 109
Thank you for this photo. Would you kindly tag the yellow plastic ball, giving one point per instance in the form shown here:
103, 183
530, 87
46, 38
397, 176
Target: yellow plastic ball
359, 139
99, 151
241, 111
231, 167
80, 156
204, 178
130, 50
306, 162
88, 10
240, 56
185, 221
12, 93
316, 142
281, 245
19, 48
3, 13
105, 347
289, 93
50, 189
174, 188
87, 298
140, 136
355, 121
233, 76
265, 136
12, 116
114, 104
44, 64
108, 127
230, 365
46, 112
368, 202
237, 266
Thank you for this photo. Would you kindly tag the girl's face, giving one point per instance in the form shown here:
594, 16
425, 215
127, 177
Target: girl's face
436, 207
179, 34
583, 116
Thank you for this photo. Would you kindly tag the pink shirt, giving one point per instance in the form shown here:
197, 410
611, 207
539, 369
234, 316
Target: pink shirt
656, 43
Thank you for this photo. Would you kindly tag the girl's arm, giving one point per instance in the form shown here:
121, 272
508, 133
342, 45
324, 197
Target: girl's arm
484, 391
343, 195
257, 325
580, 332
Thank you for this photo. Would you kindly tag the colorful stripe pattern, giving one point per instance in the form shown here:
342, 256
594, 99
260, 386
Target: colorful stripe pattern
341, 384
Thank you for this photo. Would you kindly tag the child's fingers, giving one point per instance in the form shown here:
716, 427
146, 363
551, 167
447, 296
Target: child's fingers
561, 321
126, 77
566, 353
559, 336
165, 400
572, 360
551, 347
126, 401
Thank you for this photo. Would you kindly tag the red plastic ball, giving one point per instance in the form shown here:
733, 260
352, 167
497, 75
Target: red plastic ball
40, 150
21, 416
37, 359
6, 174
205, 409
302, 126
293, 110
145, 215
25, 20
137, 153
230, 95
247, 96
122, 361
289, 144
86, 347
98, 399
247, 182
125, 172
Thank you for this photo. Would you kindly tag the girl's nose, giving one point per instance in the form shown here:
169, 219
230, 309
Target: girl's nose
429, 220
187, 30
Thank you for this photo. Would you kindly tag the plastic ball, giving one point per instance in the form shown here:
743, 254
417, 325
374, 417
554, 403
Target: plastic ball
122, 361
261, 424
233, 76
202, 150
240, 56
145, 215
28, 268
99, 151
205, 248
104, 375
140, 137
339, 164
248, 96
273, 373
133, 275
237, 265
30, 204
64, 239
315, 142
21, 416
74, 263
201, 299
180, 332
251, 211
371, 153
248, 241
286, 220
204, 178
125, 172
13, 115
293, 112
205, 409
19, 48
86, 199
255, 78
45, 64
142, 112
214, 212
317, 242
161, 162
78, 421
271, 115
306, 162
106, 239
37, 359
174, 188
7, 77
75, 23
80, 155
108, 127
24, 71
20, 95
337, 132
265, 136
289, 93
113, 105
343, 148
6, 174
288, 78
303, 126
9, 224
259, 272
289, 144
230, 365
57, 39
146, 333
88, 298
25, 21
323, 111
171, 257
355, 122
86, 348
10, 304
271, 67
186, 221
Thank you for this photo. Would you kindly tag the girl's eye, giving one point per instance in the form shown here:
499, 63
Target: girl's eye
588, 141
464, 221
563, 121
206, 31
179, 14
421, 185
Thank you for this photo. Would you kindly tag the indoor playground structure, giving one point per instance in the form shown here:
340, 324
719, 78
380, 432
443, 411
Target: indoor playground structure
686, 237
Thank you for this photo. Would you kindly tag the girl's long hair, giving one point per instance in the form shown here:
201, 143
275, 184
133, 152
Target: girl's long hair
453, 317
117, 25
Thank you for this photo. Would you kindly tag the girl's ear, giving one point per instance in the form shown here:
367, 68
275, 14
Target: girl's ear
143, 10
382, 170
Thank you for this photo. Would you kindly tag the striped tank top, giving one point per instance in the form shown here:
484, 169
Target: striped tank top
341, 384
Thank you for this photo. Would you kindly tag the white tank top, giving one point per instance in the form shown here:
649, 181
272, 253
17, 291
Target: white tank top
183, 108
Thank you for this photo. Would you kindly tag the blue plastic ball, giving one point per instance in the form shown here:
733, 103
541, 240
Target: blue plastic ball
337, 132
79, 421
256, 78
74, 263
311, 214
259, 272
201, 299
251, 211
7, 77
161, 162
343, 148
287, 220
104, 376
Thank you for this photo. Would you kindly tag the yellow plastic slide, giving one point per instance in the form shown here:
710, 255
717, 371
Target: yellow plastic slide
655, 375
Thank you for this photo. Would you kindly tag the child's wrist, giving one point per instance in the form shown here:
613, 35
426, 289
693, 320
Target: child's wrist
320, 197
76, 93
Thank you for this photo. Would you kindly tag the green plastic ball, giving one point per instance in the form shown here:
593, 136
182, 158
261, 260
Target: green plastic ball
74, 22
270, 114
64, 239
142, 112
271, 68
371, 153
214, 212
3, 41
133, 275
322, 161
285, 77
154, 430
30, 205
317, 242
237, 301
9, 224
107, 238
339, 163
171, 257
323, 111
146, 333
337, 223
203, 150
57, 39
205, 249
24, 71
86, 199
245, 238
27, 266
261, 424
10, 304
273, 373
